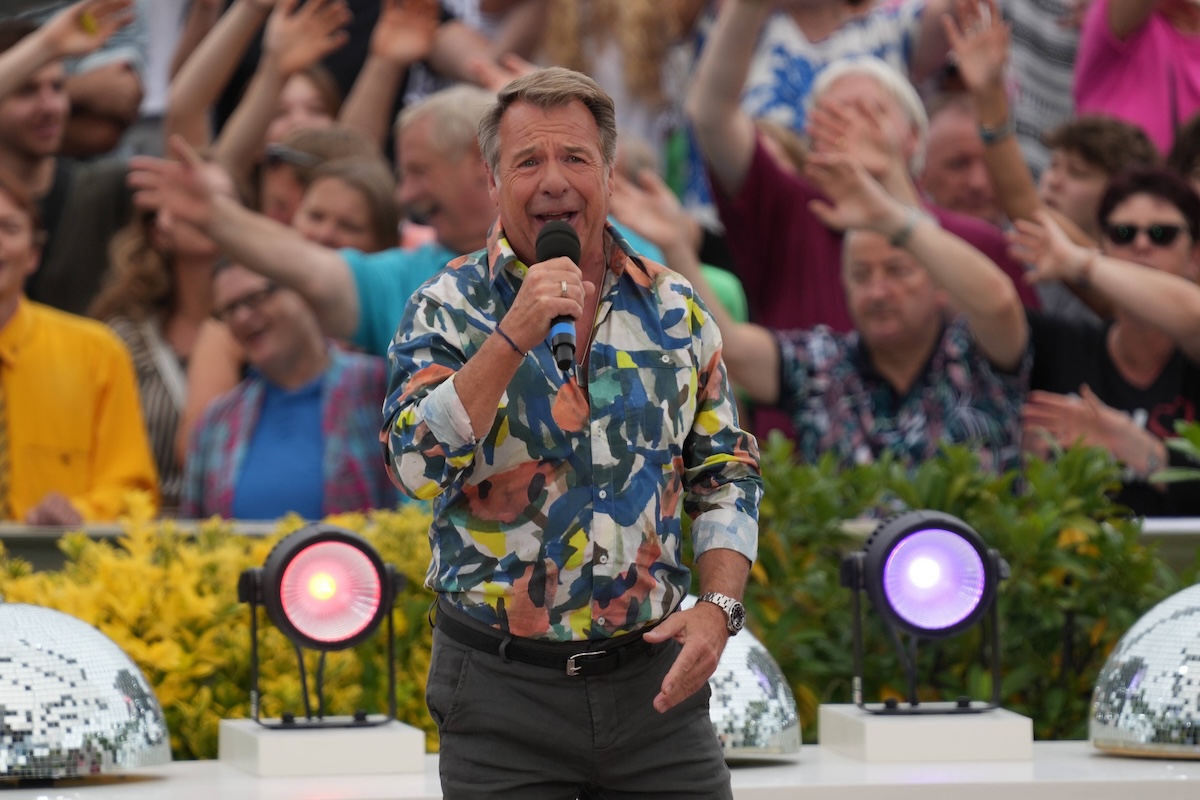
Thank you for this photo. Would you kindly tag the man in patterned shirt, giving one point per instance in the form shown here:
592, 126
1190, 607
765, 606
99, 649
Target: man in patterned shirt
562, 662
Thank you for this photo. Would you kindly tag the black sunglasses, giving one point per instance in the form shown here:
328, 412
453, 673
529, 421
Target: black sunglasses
1159, 235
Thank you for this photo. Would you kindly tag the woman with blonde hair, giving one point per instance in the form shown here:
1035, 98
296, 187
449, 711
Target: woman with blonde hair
157, 294
629, 48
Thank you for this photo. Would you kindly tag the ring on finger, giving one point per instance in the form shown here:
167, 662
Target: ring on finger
563, 288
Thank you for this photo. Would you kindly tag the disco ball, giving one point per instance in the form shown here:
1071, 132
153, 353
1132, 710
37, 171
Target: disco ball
73, 704
1147, 699
752, 709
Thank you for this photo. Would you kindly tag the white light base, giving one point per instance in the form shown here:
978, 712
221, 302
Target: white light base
997, 735
271, 753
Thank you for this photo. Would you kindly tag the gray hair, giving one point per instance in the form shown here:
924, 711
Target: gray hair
553, 87
456, 113
894, 84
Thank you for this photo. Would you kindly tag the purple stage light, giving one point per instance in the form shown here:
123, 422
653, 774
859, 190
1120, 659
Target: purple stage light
934, 579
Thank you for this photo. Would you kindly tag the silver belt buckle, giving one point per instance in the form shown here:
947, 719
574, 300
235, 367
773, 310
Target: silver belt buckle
573, 668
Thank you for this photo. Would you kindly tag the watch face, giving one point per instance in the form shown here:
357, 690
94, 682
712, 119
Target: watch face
737, 617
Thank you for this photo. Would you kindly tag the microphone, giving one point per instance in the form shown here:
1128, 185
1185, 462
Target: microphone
555, 240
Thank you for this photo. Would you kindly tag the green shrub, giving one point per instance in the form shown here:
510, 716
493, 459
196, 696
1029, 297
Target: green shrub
1080, 578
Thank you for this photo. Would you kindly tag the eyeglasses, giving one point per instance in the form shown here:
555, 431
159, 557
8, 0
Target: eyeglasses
1159, 235
251, 301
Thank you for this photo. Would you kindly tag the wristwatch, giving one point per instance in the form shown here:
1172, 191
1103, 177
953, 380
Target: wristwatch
735, 612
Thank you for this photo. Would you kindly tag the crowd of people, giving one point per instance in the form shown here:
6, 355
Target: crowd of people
330, 148
262, 257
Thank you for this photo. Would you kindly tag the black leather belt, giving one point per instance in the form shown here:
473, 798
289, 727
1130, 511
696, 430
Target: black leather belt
576, 659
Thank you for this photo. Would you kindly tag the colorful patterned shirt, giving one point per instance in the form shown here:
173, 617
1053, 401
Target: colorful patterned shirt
839, 402
563, 522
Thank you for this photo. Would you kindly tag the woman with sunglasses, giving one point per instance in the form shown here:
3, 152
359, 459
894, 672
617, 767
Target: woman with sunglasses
301, 433
1123, 386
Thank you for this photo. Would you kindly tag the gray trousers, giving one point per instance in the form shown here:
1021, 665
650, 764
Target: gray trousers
512, 730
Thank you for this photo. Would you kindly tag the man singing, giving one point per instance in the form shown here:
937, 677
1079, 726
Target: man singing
562, 662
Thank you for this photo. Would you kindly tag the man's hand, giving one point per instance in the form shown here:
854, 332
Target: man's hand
81, 28
652, 211
296, 40
551, 289
54, 509
179, 186
858, 199
703, 632
860, 130
405, 31
1046, 247
979, 38
1087, 420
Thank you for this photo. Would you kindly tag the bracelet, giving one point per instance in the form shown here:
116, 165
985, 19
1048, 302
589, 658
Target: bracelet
992, 135
511, 343
901, 237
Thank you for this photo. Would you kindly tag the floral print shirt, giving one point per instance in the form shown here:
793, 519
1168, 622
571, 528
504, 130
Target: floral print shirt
563, 522
839, 402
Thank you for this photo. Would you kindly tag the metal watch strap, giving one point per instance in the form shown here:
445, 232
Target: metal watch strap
735, 612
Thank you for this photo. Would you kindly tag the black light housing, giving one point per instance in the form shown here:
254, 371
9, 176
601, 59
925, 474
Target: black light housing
326, 589
929, 575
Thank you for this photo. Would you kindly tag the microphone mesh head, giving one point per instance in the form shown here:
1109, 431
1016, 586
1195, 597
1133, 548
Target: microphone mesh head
557, 239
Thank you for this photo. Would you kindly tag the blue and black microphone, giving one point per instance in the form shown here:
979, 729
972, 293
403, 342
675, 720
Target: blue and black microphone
555, 240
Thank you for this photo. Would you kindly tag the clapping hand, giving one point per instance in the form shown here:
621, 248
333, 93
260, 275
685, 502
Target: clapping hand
1066, 420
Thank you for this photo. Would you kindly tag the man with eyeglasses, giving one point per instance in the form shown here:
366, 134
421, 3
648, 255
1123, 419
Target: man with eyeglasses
1123, 386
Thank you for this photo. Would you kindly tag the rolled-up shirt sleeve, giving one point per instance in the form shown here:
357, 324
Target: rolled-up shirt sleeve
427, 433
724, 483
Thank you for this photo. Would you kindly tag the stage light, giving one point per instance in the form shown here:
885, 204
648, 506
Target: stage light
325, 589
928, 575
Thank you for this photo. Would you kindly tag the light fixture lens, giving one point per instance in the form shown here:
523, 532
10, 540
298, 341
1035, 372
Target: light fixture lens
934, 579
330, 591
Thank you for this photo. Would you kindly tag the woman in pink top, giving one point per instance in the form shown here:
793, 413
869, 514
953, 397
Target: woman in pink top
1139, 60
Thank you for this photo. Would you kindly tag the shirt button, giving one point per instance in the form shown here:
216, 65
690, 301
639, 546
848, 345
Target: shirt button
604, 559
603, 494
600, 620
666, 359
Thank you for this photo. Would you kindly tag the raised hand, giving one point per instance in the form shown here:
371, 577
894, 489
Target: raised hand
493, 75
185, 187
861, 130
651, 210
295, 40
980, 41
1043, 245
405, 30
81, 28
858, 199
